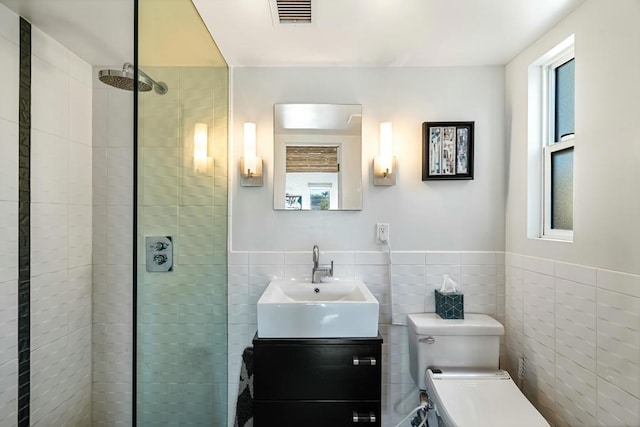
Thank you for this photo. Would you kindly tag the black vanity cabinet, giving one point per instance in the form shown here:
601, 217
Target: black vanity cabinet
317, 382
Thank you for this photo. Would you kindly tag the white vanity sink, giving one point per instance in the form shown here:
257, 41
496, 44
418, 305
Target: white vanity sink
336, 309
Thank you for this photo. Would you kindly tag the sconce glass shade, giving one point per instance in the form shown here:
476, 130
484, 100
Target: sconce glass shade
250, 164
386, 147
249, 148
384, 164
200, 148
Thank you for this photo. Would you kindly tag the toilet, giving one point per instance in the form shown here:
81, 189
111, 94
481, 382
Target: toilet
456, 363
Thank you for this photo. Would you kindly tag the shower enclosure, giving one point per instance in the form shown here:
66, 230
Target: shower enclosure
180, 194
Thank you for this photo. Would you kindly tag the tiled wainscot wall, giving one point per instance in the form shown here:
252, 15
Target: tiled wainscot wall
415, 275
578, 329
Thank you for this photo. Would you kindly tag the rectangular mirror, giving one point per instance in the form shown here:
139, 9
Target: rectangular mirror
317, 157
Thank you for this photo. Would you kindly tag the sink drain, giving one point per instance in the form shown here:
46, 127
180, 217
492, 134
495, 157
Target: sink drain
316, 290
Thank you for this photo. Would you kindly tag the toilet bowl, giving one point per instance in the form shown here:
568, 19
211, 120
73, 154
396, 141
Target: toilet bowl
456, 363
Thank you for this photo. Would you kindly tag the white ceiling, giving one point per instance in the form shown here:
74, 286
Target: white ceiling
98, 31
344, 32
381, 32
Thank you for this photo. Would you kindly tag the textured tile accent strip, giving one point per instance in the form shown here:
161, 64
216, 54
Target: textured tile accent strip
24, 220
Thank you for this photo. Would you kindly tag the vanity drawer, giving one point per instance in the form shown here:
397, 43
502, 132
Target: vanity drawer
316, 414
317, 372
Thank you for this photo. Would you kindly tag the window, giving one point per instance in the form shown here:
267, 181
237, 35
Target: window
558, 117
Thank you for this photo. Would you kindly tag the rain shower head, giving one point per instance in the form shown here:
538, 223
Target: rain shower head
123, 79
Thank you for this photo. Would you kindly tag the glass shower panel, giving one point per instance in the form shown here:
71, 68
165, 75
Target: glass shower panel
181, 346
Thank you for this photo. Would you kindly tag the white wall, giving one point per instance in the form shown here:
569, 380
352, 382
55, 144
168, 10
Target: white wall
437, 228
607, 153
573, 309
417, 211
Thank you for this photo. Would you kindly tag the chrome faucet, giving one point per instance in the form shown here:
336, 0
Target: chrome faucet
325, 270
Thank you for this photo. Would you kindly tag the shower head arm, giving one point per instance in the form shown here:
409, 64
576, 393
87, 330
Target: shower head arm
159, 87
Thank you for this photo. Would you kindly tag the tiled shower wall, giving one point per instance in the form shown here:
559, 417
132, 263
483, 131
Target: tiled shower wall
9, 68
60, 311
182, 314
415, 275
578, 329
61, 198
112, 253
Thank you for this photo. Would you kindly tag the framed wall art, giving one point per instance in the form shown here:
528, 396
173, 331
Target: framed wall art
447, 150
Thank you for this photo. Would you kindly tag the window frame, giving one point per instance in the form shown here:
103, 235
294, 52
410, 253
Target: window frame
549, 144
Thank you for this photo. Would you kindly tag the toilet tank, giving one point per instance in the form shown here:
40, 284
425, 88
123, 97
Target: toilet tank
472, 342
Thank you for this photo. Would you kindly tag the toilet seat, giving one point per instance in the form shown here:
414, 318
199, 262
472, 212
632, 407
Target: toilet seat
475, 398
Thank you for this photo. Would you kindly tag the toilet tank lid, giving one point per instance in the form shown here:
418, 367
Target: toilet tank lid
472, 324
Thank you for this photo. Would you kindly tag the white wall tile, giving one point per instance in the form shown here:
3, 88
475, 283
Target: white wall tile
372, 258
9, 160
8, 322
47, 49
513, 260
477, 258
443, 258
49, 238
623, 283
618, 352
616, 407
80, 244
303, 258
238, 258
99, 113
538, 265
9, 25
514, 294
539, 379
79, 299
80, 70
408, 288
119, 235
79, 175
9, 388
50, 98
9, 78
340, 258
49, 305
575, 309
539, 310
49, 378
9, 241
575, 394
120, 113
266, 258
409, 258
49, 168
120, 176
80, 112
576, 273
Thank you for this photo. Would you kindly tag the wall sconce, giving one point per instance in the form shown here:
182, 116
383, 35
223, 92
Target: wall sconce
200, 148
250, 164
384, 165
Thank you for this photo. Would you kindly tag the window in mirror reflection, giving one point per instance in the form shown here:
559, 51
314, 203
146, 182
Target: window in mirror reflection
312, 177
317, 157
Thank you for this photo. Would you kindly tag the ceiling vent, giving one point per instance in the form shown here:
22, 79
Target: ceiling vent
291, 11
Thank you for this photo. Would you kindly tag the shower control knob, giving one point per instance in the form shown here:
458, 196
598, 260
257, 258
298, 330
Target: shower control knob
160, 246
159, 259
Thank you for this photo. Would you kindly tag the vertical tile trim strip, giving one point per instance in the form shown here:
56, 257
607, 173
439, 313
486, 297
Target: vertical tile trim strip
24, 225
